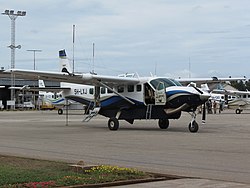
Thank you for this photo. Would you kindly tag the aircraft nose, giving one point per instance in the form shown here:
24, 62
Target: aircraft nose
205, 96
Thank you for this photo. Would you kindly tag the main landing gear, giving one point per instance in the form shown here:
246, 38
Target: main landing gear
163, 123
113, 124
193, 125
238, 111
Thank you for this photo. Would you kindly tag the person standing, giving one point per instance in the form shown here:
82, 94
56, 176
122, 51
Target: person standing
215, 107
221, 106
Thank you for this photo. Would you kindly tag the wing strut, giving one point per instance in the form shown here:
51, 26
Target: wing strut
111, 89
97, 96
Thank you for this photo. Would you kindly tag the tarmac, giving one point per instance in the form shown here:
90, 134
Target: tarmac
217, 156
188, 183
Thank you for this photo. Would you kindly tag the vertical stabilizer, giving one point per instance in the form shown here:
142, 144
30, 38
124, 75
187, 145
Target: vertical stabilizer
65, 66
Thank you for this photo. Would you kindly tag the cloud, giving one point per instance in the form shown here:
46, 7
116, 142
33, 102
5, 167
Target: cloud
133, 35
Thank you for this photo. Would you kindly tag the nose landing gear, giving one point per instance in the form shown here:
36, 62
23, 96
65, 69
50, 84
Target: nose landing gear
193, 125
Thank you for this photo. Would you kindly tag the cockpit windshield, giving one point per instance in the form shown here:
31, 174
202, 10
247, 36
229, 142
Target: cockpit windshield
167, 82
176, 82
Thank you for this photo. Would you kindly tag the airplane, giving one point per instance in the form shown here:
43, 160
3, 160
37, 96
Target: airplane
48, 99
129, 97
238, 100
212, 80
55, 97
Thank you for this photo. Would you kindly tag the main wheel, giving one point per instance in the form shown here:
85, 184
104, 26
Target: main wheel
60, 111
113, 124
163, 123
193, 127
238, 111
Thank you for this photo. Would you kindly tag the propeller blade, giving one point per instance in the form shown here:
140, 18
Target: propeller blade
197, 89
204, 114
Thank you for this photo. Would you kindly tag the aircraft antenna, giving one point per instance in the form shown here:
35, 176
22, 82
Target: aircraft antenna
73, 48
155, 68
93, 58
189, 68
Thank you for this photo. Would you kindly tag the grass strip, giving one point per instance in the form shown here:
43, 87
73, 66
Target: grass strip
16, 172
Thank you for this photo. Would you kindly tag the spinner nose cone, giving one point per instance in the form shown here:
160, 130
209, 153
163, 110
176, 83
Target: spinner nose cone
205, 96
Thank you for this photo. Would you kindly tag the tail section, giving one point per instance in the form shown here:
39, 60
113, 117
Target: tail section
65, 65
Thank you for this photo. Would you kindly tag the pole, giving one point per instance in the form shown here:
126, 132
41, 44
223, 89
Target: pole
73, 48
34, 56
13, 16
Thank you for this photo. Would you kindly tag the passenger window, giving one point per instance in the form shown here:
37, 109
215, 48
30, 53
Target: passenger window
109, 91
130, 88
244, 96
102, 90
91, 91
138, 88
120, 89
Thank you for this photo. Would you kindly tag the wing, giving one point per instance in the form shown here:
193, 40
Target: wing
84, 78
186, 81
49, 89
231, 92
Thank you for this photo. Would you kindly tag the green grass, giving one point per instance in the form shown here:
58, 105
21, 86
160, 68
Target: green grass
22, 172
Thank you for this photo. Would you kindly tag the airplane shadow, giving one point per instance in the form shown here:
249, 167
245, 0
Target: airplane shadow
152, 129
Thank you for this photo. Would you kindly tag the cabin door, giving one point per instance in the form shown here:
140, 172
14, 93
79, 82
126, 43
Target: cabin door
160, 94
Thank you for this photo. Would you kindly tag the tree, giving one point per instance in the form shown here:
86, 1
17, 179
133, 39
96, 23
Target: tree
239, 85
248, 85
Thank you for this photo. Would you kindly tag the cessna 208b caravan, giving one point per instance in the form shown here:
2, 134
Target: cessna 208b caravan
128, 97
240, 100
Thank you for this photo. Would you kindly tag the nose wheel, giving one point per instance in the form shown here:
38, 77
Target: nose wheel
193, 125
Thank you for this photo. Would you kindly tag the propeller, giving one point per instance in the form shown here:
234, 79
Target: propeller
204, 113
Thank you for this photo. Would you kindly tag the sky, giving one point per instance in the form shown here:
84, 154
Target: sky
173, 38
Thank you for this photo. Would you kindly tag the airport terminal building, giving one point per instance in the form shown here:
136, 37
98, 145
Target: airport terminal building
20, 96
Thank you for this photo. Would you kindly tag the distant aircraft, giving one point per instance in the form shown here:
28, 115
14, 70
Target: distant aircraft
240, 100
129, 97
48, 99
55, 97
201, 81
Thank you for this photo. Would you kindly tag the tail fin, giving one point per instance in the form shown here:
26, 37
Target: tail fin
65, 65
41, 83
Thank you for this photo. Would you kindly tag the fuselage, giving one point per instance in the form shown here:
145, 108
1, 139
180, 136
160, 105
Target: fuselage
241, 100
158, 93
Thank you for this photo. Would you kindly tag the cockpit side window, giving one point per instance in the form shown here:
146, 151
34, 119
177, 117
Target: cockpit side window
160, 86
176, 82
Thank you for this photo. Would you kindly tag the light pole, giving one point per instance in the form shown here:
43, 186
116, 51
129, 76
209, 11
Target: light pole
13, 16
34, 52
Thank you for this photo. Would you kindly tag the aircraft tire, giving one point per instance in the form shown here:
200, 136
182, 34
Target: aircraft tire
238, 111
113, 124
193, 127
163, 123
60, 111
